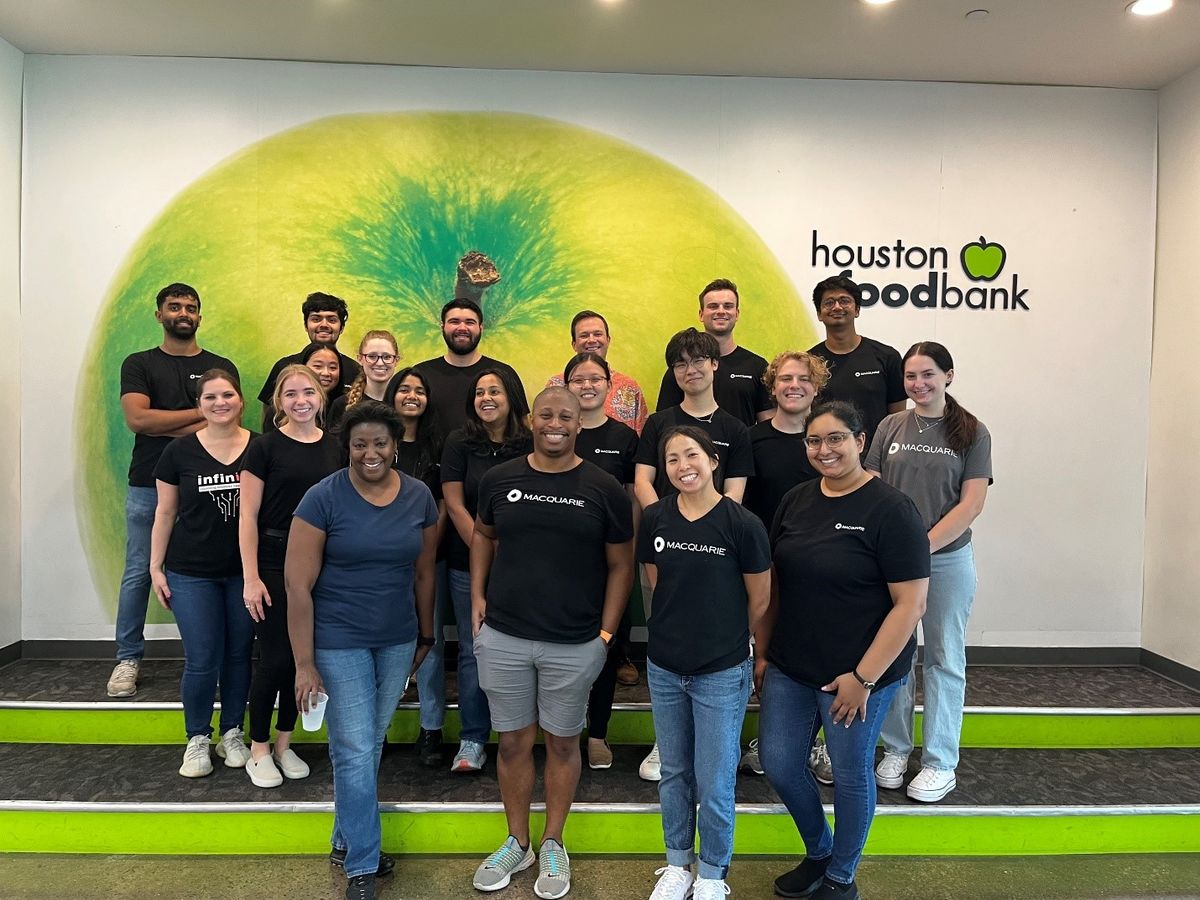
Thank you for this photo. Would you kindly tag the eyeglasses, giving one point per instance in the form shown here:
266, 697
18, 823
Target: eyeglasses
684, 364
386, 358
834, 440
583, 382
831, 302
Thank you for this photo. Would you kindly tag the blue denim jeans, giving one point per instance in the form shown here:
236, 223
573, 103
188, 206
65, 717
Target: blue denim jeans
134, 594
473, 710
698, 723
789, 718
951, 594
218, 635
364, 687
431, 677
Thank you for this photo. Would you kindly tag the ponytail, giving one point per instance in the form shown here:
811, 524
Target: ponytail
961, 426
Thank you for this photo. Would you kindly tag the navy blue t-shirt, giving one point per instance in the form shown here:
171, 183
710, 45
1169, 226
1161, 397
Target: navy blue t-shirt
364, 595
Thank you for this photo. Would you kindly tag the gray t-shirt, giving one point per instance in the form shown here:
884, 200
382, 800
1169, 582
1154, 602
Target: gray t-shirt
922, 466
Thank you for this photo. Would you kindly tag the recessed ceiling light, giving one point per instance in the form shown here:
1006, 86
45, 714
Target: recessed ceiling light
976, 15
1149, 7
878, 2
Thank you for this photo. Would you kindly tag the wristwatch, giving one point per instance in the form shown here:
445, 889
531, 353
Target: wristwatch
423, 641
869, 685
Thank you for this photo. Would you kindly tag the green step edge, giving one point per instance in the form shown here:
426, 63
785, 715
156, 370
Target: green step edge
1008, 730
478, 833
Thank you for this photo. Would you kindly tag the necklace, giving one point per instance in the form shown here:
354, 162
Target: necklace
707, 418
923, 425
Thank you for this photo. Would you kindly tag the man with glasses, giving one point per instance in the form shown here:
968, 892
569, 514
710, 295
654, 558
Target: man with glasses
738, 388
625, 401
324, 320
863, 371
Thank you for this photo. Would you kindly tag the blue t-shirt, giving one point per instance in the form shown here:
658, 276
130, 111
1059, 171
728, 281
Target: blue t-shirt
364, 594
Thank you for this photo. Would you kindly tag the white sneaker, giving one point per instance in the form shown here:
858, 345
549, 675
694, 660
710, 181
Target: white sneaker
890, 771
651, 767
232, 748
931, 784
750, 761
291, 765
710, 889
818, 761
674, 883
263, 773
196, 760
124, 678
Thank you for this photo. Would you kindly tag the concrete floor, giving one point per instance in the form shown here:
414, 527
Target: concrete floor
309, 878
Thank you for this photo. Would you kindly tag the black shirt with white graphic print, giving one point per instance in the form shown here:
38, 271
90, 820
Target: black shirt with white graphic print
834, 558
468, 462
699, 622
870, 376
611, 446
737, 386
550, 572
735, 459
780, 463
204, 541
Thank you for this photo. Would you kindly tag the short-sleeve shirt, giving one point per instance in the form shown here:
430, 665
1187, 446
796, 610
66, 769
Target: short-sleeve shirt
449, 387
834, 558
422, 460
349, 371
467, 462
170, 383
548, 579
364, 596
204, 541
870, 376
611, 446
287, 469
735, 458
699, 622
737, 386
780, 463
922, 465
625, 401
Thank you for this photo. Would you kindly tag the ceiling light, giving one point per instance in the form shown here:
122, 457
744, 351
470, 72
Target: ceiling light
976, 15
877, 2
1149, 7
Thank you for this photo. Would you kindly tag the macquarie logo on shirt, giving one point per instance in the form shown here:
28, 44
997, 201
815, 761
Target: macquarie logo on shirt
517, 494
736, 375
602, 450
225, 491
872, 372
896, 447
661, 544
840, 527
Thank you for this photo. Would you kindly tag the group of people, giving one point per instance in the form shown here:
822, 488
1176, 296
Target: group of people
793, 522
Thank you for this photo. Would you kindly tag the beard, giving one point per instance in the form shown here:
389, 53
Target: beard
180, 329
461, 350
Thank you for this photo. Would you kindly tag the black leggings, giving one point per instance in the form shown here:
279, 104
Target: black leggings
275, 669
604, 688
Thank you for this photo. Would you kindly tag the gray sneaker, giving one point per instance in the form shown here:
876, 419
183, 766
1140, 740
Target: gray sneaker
471, 757
554, 871
818, 761
124, 678
497, 870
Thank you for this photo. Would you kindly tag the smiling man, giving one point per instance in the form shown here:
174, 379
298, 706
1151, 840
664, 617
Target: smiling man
738, 388
625, 401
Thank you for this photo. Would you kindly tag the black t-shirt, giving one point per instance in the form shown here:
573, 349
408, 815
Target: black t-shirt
611, 446
700, 622
287, 469
468, 463
449, 387
737, 386
170, 383
548, 579
735, 458
834, 558
204, 541
780, 463
870, 376
349, 372
424, 461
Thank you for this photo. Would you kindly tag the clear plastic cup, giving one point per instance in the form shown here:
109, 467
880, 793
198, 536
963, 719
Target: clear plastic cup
312, 718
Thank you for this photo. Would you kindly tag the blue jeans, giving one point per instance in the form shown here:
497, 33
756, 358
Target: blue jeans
790, 716
431, 677
134, 594
473, 710
364, 687
951, 594
698, 723
218, 635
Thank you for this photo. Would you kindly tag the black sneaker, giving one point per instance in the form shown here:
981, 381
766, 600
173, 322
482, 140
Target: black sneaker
361, 887
429, 748
386, 863
803, 880
831, 890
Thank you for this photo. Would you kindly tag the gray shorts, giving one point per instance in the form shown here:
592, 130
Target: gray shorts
537, 681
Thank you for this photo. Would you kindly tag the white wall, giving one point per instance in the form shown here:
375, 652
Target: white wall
11, 72
1064, 177
1171, 609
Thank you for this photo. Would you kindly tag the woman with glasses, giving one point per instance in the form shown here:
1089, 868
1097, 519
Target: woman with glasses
378, 354
851, 565
941, 456
611, 445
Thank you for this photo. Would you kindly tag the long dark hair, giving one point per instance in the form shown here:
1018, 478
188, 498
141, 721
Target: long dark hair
960, 425
429, 431
339, 386
517, 435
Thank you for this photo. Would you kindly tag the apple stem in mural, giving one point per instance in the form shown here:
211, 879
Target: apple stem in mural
476, 273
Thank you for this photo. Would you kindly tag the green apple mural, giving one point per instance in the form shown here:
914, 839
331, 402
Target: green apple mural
378, 209
982, 261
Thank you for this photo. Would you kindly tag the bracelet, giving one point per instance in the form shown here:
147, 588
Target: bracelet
869, 685
424, 641
606, 636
